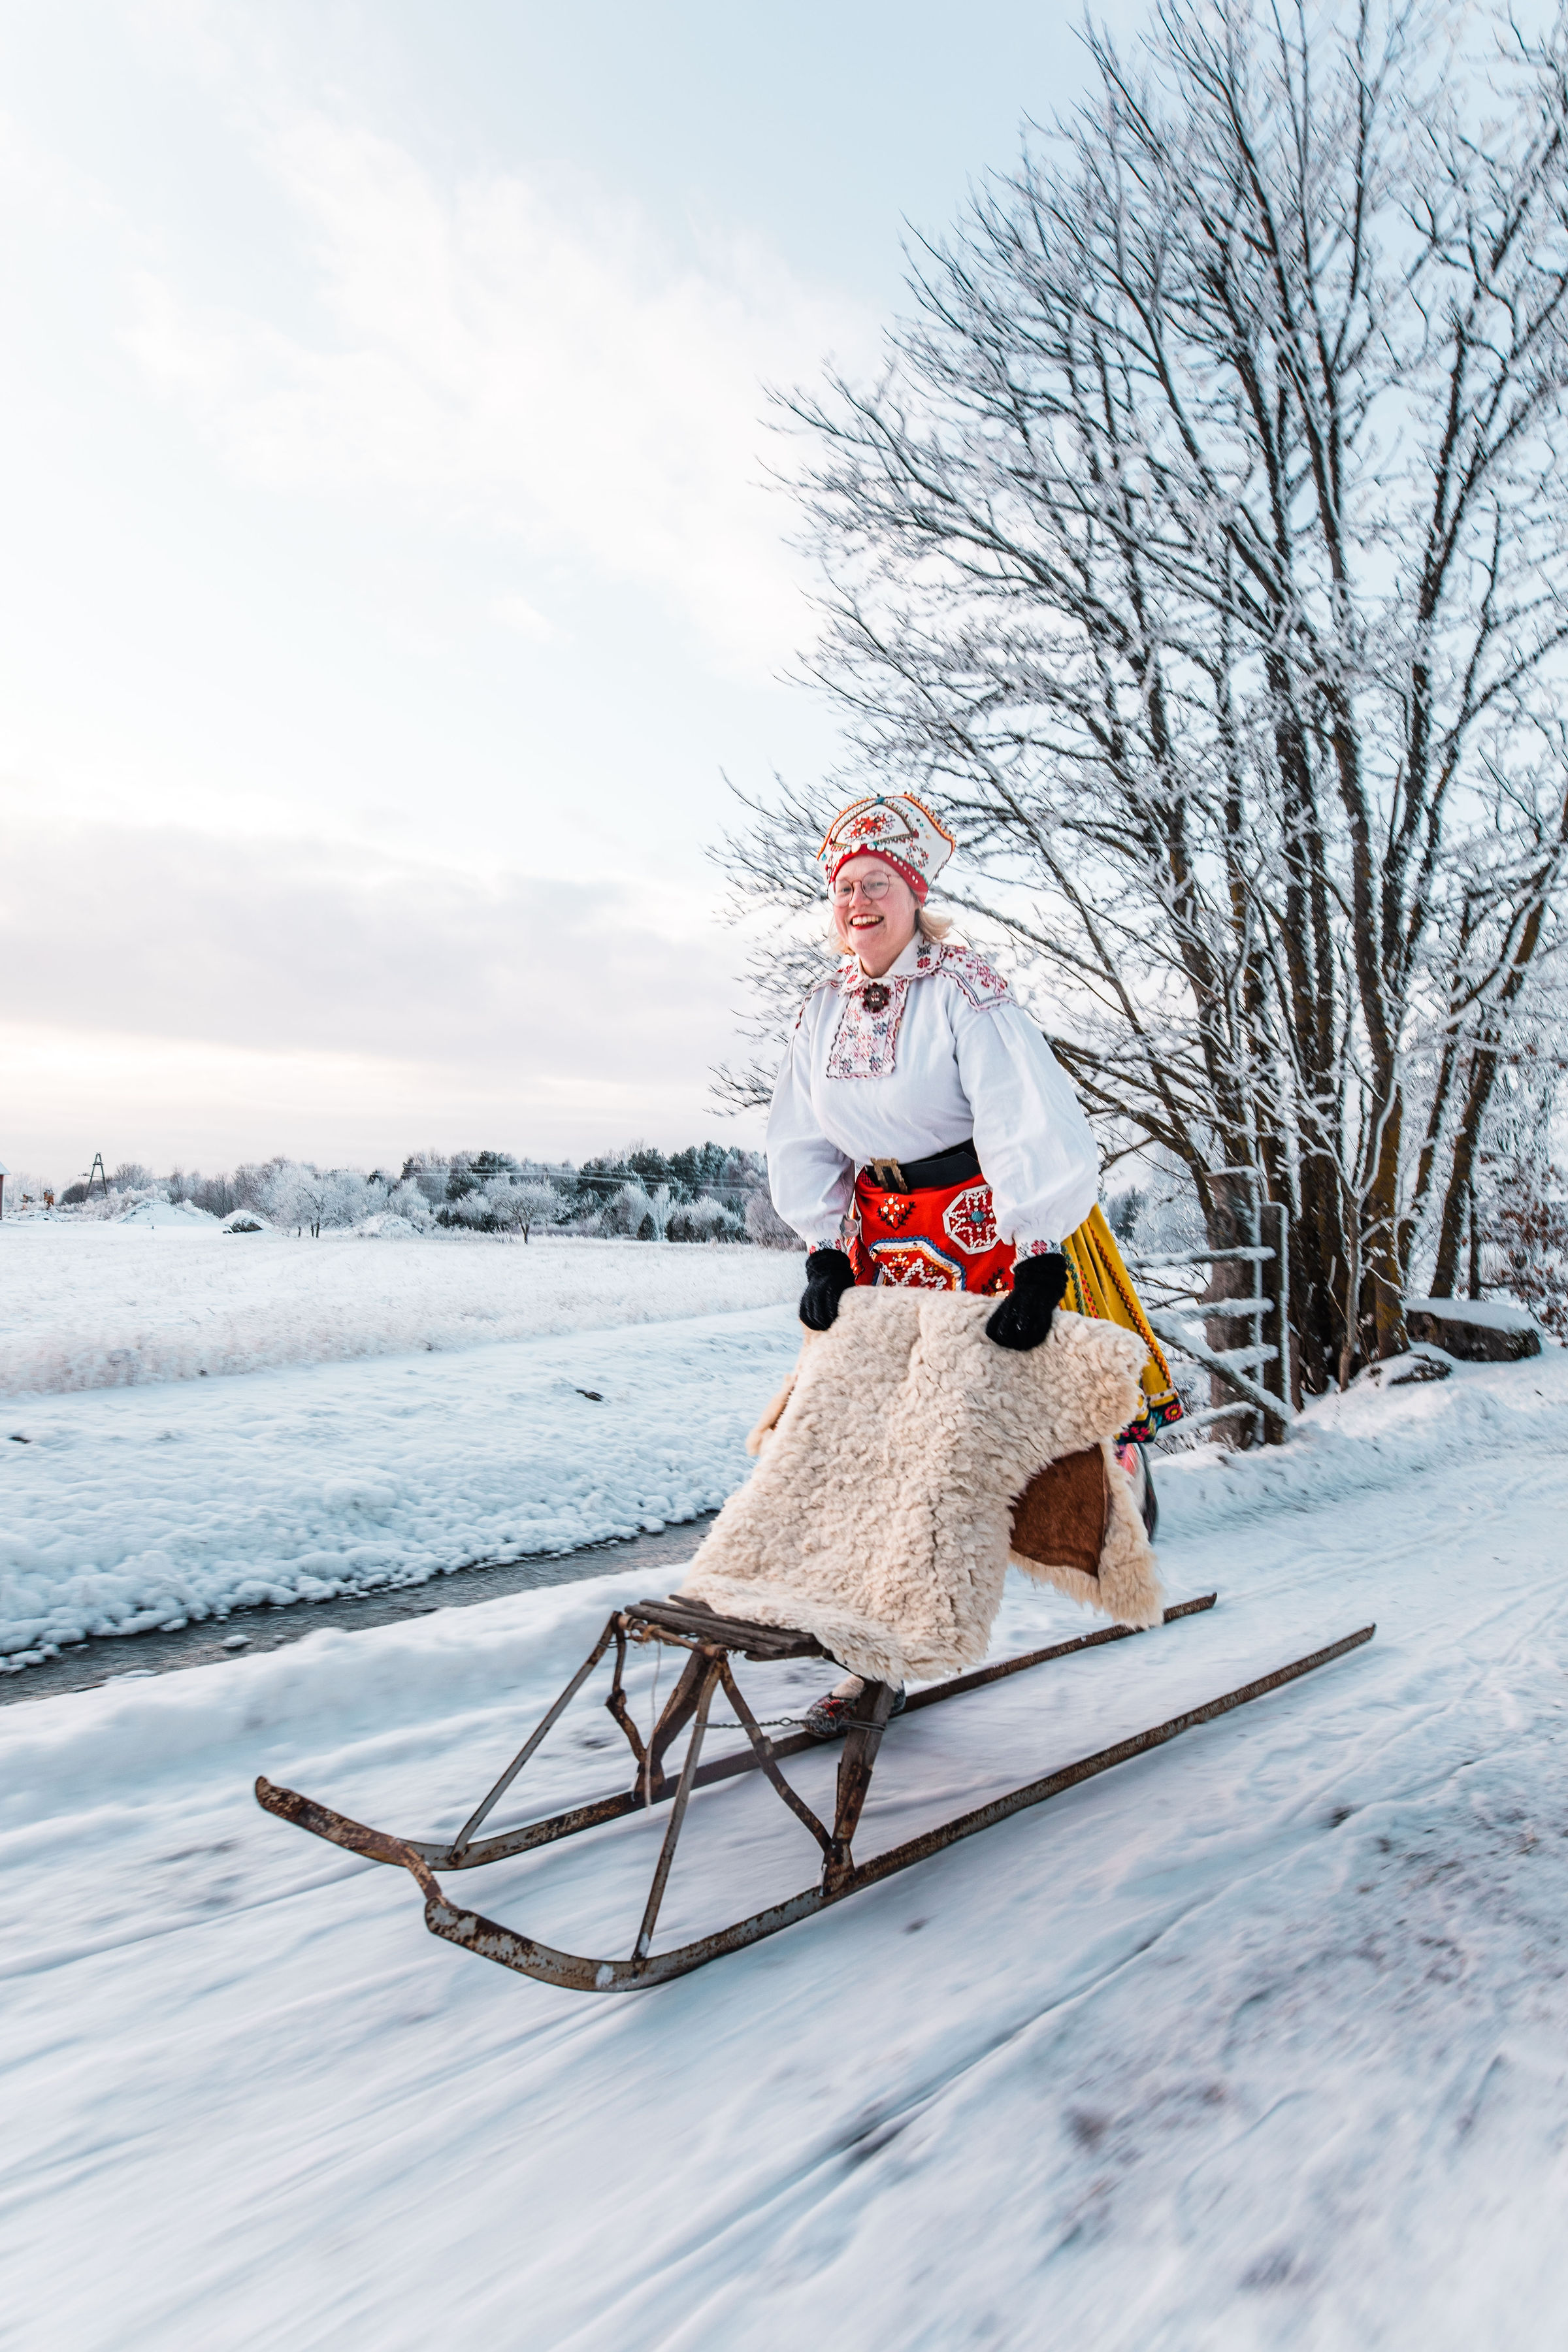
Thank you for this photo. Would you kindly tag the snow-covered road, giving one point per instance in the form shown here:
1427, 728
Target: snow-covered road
1261, 2040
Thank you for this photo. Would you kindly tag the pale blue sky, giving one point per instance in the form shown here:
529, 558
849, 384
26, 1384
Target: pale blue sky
387, 575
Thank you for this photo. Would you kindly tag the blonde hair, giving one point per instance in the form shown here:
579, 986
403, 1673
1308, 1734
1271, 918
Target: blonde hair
928, 925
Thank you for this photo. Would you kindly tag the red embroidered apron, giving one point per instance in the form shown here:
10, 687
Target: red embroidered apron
941, 1239
944, 1238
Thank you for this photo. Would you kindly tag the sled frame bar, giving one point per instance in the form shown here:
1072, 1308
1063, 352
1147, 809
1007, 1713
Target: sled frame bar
840, 1877
464, 1852
707, 1670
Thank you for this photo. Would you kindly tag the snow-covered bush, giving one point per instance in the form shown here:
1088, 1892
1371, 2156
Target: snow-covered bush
473, 1210
629, 1212
115, 1203
408, 1200
766, 1227
706, 1220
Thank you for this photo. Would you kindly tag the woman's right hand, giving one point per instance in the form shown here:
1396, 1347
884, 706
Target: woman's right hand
828, 1275
1023, 1319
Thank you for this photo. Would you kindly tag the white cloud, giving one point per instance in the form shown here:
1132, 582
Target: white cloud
506, 359
325, 998
161, 929
515, 613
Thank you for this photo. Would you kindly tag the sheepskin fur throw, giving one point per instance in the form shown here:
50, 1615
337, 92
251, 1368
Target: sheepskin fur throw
879, 1515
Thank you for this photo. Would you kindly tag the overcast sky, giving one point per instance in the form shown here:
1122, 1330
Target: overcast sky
387, 574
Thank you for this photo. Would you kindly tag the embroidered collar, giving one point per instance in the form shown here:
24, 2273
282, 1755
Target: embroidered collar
866, 1042
917, 961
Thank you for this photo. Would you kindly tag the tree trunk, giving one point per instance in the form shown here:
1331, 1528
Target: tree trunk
1384, 1279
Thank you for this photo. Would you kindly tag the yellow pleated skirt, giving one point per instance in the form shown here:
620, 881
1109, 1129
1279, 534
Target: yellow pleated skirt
1100, 1284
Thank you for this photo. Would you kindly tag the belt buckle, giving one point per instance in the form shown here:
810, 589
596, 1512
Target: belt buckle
888, 1175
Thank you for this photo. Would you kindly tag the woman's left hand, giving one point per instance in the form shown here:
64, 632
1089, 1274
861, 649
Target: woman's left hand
1023, 1321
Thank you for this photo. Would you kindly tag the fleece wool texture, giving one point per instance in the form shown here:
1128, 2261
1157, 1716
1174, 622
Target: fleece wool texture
879, 1513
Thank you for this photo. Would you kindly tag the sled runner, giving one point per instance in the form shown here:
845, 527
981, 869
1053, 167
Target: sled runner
709, 1642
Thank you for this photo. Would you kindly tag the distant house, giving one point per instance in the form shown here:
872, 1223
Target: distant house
5, 1171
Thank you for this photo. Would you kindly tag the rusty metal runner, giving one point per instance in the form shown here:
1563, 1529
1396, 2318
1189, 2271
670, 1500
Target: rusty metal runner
707, 1670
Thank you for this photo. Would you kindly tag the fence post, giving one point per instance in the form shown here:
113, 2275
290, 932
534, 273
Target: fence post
1285, 1385
1268, 1400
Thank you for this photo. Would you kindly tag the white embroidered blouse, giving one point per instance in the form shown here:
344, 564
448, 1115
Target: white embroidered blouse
937, 1051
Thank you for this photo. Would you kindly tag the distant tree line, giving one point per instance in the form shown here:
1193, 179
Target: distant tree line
704, 1193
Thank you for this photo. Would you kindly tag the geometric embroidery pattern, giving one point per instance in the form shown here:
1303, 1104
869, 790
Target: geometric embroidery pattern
866, 1042
895, 1209
974, 977
970, 1220
916, 1265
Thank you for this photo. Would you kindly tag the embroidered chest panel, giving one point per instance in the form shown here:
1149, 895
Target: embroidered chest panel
865, 1041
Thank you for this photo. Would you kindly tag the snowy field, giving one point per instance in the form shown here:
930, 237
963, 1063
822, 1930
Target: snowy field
1259, 2042
88, 1306
624, 1406
130, 1508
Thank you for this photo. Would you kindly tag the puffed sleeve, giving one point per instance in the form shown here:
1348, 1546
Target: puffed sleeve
812, 1182
1034, 1141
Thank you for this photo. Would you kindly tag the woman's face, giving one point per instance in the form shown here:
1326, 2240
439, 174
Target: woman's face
875, 913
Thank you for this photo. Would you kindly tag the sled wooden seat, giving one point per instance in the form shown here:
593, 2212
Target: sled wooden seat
692, 1621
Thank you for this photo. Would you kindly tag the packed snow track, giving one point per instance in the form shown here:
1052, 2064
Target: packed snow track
1257, 2041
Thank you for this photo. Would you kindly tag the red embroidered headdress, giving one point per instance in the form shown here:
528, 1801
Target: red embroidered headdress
896, 828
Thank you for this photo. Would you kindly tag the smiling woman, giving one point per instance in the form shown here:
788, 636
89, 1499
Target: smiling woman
923, 1134
904, 1079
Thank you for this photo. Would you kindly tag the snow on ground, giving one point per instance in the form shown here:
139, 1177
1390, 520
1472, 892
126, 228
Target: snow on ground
132, 1507
1261, 2040
90, 1305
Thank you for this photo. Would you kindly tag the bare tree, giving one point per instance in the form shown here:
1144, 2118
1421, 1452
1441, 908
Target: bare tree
1202, 548
520, 1203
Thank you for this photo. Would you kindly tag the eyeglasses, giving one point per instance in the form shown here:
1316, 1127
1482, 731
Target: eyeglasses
870, 886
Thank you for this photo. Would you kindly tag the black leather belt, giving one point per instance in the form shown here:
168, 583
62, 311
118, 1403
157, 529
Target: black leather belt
954, 1166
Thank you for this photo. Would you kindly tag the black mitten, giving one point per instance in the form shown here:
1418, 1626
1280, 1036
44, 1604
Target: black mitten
828, 1275
1024, 1318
